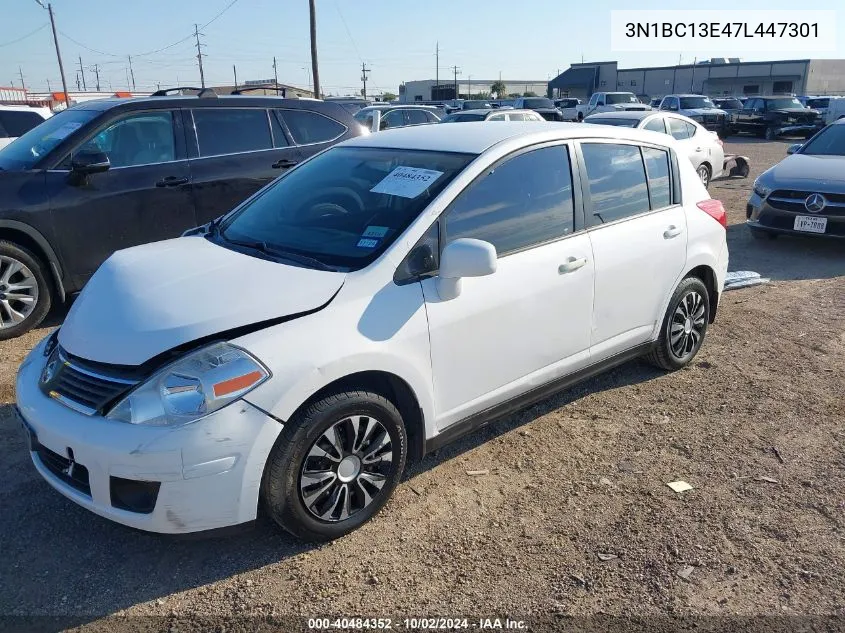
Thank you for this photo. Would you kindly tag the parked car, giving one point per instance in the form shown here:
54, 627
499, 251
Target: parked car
110, 174
703, 147
17, 120
700, 109
655, 103
467, 116
609, 102
541, 105
732, 106
568, 108
381, 313
835, 110
472, 104
771, 117
804, 193
378, 118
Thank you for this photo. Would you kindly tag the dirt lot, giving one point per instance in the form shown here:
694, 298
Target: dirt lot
574, 479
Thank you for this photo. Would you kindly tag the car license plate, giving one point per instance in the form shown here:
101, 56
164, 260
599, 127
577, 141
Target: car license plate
810, 224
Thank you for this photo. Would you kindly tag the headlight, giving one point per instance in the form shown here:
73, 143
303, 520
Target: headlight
760, 189
191, 388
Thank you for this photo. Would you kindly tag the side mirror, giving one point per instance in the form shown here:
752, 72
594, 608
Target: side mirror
793, 148
464, 257
85, 163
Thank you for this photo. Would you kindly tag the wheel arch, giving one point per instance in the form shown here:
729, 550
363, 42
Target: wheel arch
392, 387
32, 240
708, 277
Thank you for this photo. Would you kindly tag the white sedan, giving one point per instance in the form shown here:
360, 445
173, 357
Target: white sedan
703, 147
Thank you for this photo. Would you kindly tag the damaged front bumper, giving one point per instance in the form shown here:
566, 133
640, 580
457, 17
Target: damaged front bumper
736, 166
200, 476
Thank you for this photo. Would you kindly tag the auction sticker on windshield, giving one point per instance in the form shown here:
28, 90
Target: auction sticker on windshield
407, 182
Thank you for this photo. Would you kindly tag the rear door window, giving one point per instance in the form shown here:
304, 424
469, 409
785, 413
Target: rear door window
657, 170
417, 117
394, 118
656, 125
617, 180
308, 128
679, 129
232, 130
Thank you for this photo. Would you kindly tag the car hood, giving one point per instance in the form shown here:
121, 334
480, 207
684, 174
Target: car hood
146, 300
794, 111
825, 173
701, 111
638, 107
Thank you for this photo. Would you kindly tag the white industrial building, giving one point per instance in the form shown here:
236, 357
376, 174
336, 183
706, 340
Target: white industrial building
431, 90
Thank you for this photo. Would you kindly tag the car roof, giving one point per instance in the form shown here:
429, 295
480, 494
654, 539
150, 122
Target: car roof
475, 138
194, 101
399, 105
493, 111
690, 94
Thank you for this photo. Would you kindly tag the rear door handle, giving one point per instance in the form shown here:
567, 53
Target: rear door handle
572, 264
672, 231
171, 181
284, 163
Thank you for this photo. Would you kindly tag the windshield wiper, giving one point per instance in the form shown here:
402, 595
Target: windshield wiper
263, 247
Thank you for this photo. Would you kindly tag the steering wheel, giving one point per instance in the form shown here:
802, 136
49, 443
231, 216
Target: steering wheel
333, 202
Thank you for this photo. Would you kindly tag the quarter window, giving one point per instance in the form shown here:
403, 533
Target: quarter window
231, 131
308, 127
617, 180
680, 129
656, 125
657, 169
519, 203
144, 138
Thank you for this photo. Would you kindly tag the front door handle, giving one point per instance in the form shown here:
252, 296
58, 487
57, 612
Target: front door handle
171, 181
672, 231
572, 264
284, 163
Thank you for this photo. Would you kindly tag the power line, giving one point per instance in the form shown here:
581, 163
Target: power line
23, 37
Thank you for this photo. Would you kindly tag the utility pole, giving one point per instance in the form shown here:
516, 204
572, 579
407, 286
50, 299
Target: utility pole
49, 8
235, 70
199, 54
364, 71
127, 77
82, 72
692, 81
77, 81
437, 62
456, 69
469, 86
312, 6
131, 72
23, 85
275, 72
97, 73
49, 89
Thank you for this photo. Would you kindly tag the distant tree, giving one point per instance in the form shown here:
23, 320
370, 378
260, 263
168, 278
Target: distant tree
529, 93
388, 96
499, 88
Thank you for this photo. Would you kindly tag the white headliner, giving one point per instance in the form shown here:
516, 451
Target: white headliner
477, 137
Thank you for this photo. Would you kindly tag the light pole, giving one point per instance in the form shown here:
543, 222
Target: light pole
49, 8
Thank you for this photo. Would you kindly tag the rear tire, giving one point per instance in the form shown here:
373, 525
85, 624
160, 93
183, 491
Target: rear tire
26, 290
704, 174
684, 326
770, 134
321, 480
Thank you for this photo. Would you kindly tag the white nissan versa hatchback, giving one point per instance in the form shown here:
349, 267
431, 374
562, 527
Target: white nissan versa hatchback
375, 302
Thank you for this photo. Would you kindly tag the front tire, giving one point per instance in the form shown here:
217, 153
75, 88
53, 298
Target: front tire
335, 465
25, 291
770, 134
684, 326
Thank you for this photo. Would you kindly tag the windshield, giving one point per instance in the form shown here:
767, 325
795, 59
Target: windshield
462, 118
691, 103
730, 104
345, 206
24, 152
624, 97
785, 102
829, 142
818, 103
538, 102
567, 103
613, 121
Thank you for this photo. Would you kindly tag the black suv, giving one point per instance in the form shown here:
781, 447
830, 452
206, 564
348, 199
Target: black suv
770, 117
107, 175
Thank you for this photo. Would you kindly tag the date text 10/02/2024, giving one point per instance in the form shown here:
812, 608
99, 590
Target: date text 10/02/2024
424, 624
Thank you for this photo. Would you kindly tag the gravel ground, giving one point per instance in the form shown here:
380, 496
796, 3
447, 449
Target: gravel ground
574, 518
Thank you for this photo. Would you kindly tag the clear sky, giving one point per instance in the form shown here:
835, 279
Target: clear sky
522, 39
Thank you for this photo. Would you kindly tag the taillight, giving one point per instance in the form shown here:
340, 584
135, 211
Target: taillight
715, 209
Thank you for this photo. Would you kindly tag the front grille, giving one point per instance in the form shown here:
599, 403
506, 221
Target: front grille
80, 387
75, 476
793, 201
